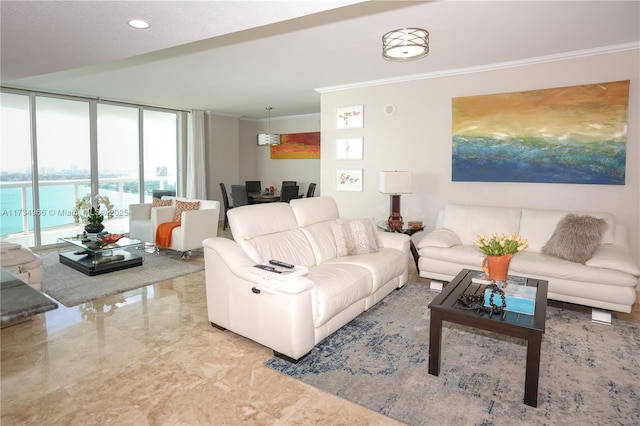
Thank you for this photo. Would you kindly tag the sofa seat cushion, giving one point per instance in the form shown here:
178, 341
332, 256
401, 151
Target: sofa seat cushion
538, 264
335, 288
383, 265
465, 254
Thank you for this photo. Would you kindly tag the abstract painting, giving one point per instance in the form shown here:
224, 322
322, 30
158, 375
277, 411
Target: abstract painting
297, 146
575, 134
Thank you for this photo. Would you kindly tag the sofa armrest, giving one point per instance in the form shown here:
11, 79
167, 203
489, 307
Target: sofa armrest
236, 262
441, 237
161, 215
394, 240
139, 211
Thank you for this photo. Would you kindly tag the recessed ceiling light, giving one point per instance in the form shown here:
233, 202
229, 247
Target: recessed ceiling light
138, 23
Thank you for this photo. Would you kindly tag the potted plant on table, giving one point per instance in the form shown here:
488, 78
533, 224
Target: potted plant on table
498, 250
90, 213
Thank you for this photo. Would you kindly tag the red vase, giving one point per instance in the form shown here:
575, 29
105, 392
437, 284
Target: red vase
497, 267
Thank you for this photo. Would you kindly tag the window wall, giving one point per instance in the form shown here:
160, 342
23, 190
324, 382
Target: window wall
55, 150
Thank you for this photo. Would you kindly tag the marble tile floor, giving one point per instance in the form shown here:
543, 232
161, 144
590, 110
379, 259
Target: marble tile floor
149, 356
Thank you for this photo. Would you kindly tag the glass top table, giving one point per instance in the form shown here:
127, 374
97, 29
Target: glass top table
91, 257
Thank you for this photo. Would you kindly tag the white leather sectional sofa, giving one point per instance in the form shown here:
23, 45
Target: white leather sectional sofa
607, 281
291, 317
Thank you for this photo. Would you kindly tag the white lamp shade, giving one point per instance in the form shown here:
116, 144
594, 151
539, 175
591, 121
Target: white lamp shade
268, 139
396, 182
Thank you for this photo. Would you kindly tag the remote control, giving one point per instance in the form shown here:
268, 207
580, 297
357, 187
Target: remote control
282, 264
267, 268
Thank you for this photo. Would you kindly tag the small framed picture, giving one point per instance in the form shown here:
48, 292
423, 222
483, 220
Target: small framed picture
349, 180
350, 117
349, 149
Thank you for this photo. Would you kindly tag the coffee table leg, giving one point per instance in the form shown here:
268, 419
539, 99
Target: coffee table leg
435, 342
534, 342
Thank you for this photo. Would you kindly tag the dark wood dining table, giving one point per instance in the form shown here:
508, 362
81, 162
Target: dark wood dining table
263, 197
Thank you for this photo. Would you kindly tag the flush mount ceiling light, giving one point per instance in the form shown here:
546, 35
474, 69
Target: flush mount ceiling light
405, 44
269, 138
138, 23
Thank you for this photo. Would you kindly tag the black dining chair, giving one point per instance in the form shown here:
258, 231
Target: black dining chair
227, 206
253, 186
311, 190
239, 195
288, 193
289, 183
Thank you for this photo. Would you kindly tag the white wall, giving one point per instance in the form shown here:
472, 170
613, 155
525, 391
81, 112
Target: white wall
223, 154
256, 162
418, 138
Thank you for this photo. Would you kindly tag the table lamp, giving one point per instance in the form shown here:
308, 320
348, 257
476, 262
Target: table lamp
395, 183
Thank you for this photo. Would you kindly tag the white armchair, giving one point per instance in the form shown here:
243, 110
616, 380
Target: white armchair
196, 225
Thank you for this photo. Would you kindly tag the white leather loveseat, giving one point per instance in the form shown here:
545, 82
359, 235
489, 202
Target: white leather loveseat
293, 316
606, 281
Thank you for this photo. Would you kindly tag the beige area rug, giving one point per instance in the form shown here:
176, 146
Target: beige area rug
71, 288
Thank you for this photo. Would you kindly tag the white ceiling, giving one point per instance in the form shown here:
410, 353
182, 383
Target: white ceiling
237, 57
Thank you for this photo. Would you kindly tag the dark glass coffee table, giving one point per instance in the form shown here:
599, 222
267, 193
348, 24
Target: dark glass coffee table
445, 307
91, 257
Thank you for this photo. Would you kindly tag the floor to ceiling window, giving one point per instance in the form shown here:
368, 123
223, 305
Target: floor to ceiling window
79, 146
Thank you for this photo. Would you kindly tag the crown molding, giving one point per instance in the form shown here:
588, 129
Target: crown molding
483, 68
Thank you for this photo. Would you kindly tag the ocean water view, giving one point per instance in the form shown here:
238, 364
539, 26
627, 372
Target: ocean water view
57, 204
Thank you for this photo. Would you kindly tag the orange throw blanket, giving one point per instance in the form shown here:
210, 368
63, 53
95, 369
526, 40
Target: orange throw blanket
163, 234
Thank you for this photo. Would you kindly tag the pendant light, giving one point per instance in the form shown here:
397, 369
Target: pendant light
269, 138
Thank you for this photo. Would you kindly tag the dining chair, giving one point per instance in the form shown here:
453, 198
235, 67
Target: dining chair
311, 190
288, 193
239, 195
227, 206
253, 186
289, 183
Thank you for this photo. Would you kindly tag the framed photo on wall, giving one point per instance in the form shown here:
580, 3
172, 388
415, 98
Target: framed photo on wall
349, 149
350, 117
349, 180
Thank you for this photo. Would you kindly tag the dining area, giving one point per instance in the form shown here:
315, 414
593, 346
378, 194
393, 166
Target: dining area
252, 192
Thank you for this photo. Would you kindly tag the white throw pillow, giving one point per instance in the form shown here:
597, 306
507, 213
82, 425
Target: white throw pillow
355, 236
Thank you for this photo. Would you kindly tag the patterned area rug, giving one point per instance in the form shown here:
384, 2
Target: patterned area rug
72, 288
589, 374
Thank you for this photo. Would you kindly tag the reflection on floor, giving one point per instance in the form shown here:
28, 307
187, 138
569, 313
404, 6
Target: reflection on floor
149, 356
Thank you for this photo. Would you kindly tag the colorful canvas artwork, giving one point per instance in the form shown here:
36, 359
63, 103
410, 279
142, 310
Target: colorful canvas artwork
297, 146
575, 134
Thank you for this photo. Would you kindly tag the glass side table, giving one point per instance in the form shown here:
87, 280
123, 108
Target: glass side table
406, 229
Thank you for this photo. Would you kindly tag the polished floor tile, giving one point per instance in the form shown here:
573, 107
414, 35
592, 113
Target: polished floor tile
149, 356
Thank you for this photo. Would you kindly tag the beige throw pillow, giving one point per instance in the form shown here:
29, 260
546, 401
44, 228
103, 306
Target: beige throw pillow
184, 206
355, 236
575, 238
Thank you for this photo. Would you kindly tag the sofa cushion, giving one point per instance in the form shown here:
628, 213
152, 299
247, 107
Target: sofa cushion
158, 202
184, 206
335, 288
467, 221
575, 238
383, 265
537, 226
441, 237
355, 236
611, 256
